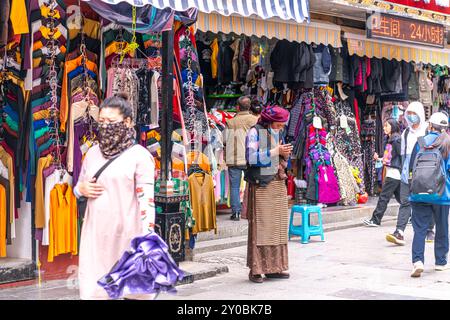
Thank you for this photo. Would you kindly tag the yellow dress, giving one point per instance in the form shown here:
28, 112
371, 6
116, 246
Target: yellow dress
203, 202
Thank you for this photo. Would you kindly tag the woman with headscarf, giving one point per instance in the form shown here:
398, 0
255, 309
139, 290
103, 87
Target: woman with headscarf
267, 204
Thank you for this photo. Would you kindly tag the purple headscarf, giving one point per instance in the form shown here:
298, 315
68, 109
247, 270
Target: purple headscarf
274, 114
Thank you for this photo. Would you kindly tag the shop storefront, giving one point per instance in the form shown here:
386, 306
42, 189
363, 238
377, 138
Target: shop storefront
184, 64
59, 60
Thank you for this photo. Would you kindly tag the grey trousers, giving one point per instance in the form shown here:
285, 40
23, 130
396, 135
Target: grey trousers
404, 212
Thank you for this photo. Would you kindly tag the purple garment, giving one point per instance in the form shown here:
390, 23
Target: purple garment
38, 234
80, 128
37, 73
147, 268
81, 96
41, 107
47, 172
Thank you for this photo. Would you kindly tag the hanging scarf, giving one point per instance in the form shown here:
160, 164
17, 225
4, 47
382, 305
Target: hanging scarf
115, 138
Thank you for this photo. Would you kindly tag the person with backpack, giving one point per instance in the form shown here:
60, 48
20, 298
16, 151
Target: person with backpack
430, 192
393, 163
415, 117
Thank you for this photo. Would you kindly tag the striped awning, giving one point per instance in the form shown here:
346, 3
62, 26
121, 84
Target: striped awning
297, 10
272, 28
361, 46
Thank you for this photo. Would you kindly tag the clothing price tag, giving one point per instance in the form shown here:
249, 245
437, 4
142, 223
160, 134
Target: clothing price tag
317, 123
86, 146
343, 122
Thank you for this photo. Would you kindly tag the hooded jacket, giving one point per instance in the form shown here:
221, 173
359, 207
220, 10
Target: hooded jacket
407, 145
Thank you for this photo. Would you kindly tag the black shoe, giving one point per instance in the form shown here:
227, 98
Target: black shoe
235, 216
370, 223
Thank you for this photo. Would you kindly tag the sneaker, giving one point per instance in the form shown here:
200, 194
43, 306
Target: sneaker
235, 217
417, 269
370, 223
396, 238
430, 236
442, 268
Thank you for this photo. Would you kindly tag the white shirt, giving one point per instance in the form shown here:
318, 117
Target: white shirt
393, 173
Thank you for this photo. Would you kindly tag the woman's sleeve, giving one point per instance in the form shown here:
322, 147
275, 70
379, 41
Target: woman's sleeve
145, 191
81, 177
255, 156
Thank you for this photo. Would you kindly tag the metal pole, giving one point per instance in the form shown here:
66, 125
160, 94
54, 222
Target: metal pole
167, 104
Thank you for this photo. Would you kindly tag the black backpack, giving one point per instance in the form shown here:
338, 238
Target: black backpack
428, 174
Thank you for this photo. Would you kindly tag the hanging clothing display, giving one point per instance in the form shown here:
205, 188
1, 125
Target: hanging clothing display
201, 190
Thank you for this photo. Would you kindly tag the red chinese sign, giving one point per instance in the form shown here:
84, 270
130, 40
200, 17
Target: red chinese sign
398, 28
441, 6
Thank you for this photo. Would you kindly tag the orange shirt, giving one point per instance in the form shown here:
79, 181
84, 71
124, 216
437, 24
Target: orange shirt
68, 67
39, 45
3, 222
63, 232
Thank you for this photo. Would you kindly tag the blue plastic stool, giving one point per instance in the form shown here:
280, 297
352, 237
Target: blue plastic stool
306, 230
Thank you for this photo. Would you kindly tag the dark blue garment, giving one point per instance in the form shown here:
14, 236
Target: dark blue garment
79, 71
184, 75
422, 215
39, 124
235, 175
192, 239
149, 19
28, 183
13, 114
145, 269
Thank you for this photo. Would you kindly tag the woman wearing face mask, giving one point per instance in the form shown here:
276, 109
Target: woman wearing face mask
393, 163
267, 204
415, 117
120, 204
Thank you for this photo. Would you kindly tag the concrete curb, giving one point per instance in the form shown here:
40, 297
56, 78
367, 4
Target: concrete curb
15, 270
208, 272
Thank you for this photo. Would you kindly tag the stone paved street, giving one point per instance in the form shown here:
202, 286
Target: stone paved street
353, 263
